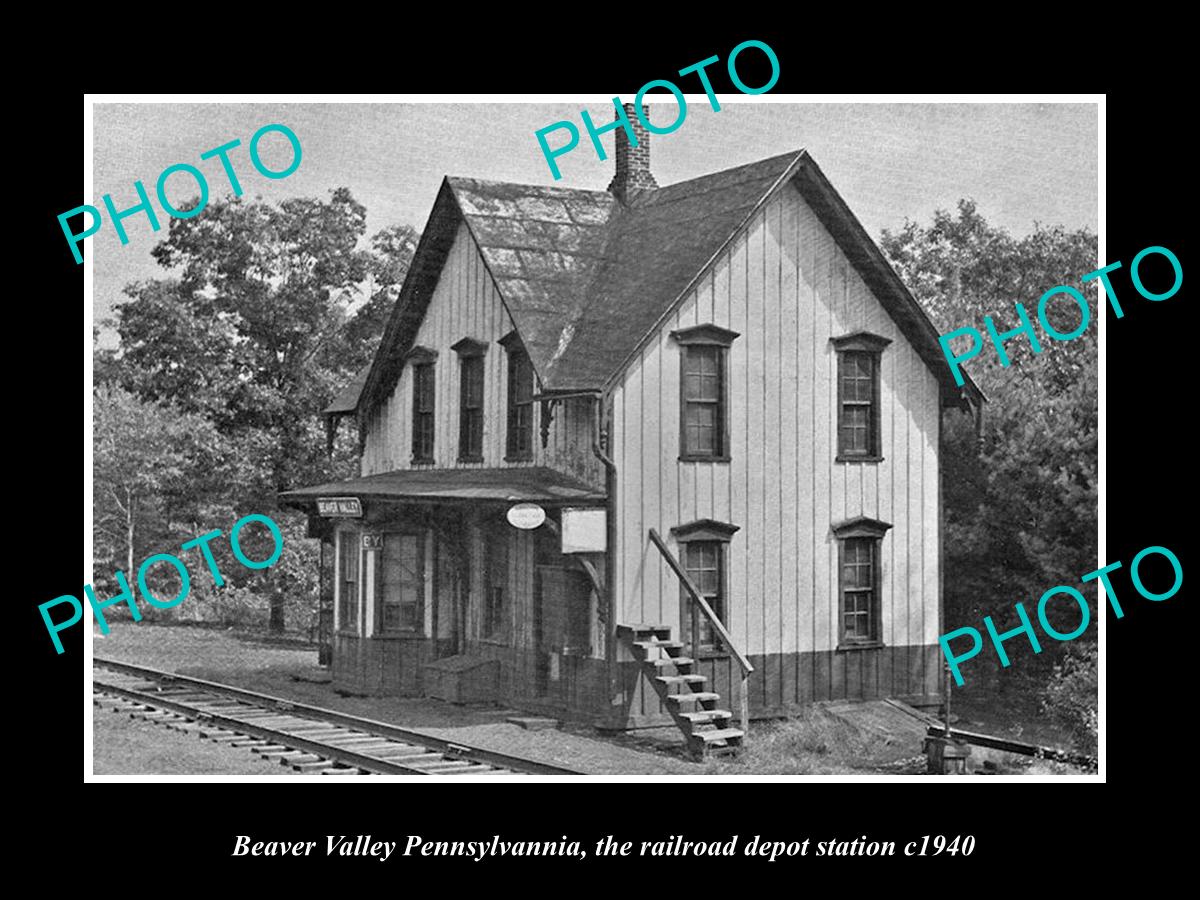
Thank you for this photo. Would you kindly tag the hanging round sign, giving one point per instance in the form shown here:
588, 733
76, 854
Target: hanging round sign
526, 516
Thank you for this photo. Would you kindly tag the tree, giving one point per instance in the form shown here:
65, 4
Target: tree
259, 323
392, 251
1020, 500
146, 456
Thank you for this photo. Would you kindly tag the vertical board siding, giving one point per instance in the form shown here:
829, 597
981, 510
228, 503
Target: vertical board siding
786, 288
466, 303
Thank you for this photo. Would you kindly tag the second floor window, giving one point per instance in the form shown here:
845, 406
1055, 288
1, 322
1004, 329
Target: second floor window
856, 380
858, 364
703, 413
519, 441
423, 421
704, 392
470, 426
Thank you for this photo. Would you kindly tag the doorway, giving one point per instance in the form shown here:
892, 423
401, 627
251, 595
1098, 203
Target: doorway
561, 627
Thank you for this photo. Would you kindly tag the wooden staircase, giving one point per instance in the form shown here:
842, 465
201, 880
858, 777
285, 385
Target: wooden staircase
706, 727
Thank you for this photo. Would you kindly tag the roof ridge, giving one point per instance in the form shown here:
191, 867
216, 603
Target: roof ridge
525, 184
647, 198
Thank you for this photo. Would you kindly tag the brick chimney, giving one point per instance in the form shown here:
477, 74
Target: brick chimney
633, 163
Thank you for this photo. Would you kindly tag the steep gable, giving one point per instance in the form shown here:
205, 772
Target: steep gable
586, 278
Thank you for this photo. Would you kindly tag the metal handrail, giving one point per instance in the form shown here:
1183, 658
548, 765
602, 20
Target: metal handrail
699, 602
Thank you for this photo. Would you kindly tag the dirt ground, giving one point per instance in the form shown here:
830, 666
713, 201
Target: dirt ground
290, 670
125, 746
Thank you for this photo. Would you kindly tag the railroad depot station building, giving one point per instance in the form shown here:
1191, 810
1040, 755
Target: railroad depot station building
643, 456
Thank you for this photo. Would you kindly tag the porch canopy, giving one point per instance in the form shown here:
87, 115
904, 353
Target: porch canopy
535, 484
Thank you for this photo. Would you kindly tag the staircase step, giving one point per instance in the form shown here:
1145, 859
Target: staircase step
669, 661
665, 645
641, 632
696, 697
681, 679
706, 716
721, 734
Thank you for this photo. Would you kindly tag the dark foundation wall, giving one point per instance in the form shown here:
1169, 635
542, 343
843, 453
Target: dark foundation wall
380, 667
574, 688
577, 689
784, 683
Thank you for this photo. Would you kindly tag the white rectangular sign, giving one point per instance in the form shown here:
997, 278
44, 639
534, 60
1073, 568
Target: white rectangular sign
584, 530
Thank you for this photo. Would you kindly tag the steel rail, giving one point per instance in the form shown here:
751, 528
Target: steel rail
372, 727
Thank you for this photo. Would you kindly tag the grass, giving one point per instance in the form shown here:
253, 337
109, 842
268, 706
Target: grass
817, 743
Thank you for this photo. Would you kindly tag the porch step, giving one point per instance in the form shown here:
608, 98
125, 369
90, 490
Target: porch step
695, 697
704, 727
722, 742
680, 680
719, 737
664, 645
665, 661
707, 716
645, 632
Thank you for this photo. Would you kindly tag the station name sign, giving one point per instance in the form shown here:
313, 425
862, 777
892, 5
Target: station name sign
339, 507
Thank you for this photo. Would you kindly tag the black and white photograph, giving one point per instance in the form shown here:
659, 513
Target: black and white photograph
410, 458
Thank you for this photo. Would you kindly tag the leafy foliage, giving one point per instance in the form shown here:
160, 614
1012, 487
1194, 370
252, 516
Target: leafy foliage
1020, 498
266, 312
1070, 698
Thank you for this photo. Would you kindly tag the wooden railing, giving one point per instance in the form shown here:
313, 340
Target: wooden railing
699, 603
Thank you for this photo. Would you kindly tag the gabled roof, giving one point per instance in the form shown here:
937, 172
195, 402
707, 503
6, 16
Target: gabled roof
587, 279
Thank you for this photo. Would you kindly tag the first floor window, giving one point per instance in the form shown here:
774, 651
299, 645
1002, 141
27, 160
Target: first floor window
348, 554
859, 622
401, 583
859, 617
704, 563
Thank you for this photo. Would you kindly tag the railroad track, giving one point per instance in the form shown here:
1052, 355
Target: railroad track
306, 738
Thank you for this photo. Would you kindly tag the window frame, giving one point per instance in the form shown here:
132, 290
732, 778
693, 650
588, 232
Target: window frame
718, 535
349, 541
720, 339
872, 531
470, 357
518, 356
424, 364
380, 567
869, 346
